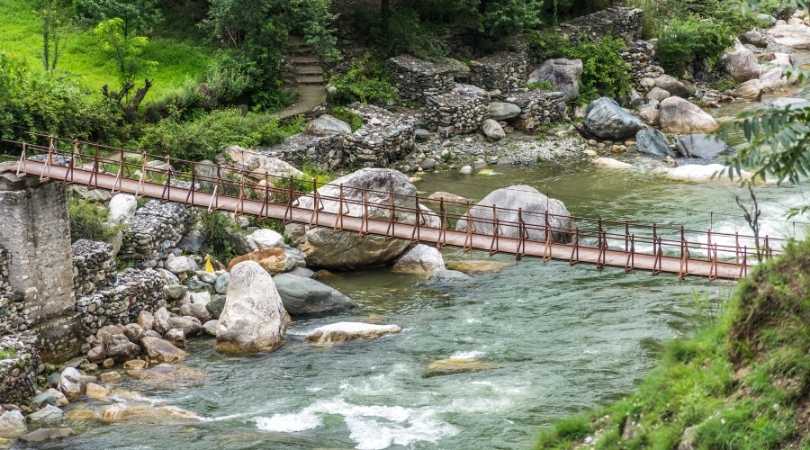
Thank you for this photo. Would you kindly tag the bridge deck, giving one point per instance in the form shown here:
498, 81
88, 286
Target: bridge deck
563, 252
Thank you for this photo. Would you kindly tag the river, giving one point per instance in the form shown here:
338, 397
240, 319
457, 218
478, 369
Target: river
561, 338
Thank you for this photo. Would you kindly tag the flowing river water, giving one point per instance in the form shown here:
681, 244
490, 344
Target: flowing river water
561, 338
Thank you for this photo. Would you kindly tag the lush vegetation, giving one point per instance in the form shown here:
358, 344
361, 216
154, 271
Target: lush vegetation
692, 45
221, 235
741, 383
88, 220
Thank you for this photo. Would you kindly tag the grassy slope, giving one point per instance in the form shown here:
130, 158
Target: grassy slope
178, 60
742, 383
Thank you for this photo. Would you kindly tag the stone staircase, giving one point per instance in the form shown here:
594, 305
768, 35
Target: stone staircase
305, 73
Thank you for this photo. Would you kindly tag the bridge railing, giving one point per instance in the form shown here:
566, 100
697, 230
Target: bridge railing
231, 180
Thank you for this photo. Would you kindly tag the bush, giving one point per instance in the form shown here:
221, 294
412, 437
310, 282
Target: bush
89, 221
366, 81
221, 236
604, 72
692, 43
547, 44
31, 101
352, 118
204, 137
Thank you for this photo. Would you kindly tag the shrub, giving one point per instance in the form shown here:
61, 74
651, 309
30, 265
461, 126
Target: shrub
32, 101
604, 72
544, 85
366, 81
352, 118
89, 221
547, 44
692, 43
406, 33
221, 236
205, 136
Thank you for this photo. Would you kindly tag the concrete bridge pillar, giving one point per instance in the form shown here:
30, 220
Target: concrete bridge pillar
35, 232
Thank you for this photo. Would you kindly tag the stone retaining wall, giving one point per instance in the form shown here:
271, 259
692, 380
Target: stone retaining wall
459, 111
640, 56
538, 108
418, 79
132, 292
624, 22
153, 232
385, 138
93, 266
19, 366
505, 71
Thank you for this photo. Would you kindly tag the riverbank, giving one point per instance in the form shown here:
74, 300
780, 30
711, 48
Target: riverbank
741, 382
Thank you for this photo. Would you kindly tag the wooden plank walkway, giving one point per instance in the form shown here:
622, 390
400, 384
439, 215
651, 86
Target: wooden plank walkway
604, 257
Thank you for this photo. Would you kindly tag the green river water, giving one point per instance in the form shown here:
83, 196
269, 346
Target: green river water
563, 339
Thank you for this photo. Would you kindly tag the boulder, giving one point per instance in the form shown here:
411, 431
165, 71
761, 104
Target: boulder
274, 260
750, 90
649, 113
340, 332
449, 276
177, 337
122, 207
534, 206
611, 163
210, 327
680, 116
741, 63
190, 326
755, 38
673, 86
493, 130
448, 197
96, 391
180, 264
605, 119
327, 125
473, 266
47, 416
789, 103
462, 363
503, 110
340, 250
258, 165
254, 319
12, 425
70, 383
420, 260
775, 79
700, 173
264, 238
702, 146
650, 141
49, 397
796, 36
221, 284
308, 297
162, 351
216, 306
118, 346
563, 74
162, 317
657, 94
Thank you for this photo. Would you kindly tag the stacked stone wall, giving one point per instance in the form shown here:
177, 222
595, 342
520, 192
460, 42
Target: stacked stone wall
624, 22
132, 292
154, 232
418, 79
93, 266
504, 71
19, 366
538, 108
459, 111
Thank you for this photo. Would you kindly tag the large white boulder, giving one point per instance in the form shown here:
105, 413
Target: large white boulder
259, 166
122, 207
343, 250
70, 383
180, 264
264, 238
12, 425
700, 173
534, 205
683, 117
254, 319
420, 260
326, 125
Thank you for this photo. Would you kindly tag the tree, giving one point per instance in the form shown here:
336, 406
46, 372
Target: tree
137, 16
54, 16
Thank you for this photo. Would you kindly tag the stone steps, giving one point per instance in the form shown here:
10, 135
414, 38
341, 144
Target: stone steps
310, 79
310, 69
308, 59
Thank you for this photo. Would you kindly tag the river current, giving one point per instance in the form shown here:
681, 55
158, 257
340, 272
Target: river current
561, 338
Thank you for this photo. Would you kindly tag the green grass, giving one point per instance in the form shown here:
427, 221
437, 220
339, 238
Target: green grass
743, 382
178, 60
7, 353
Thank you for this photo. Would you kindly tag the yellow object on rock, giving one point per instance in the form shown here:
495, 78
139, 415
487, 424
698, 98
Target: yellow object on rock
209, 266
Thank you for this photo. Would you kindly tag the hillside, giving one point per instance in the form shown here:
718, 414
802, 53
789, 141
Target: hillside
742, 383
178, 58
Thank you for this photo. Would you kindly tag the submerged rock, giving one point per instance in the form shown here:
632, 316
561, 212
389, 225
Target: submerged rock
611, 163
46, 434
162, 351
477, 266
308, 297
49, 415
349, 331
654, 143
254, 318
702, 146
463, 363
